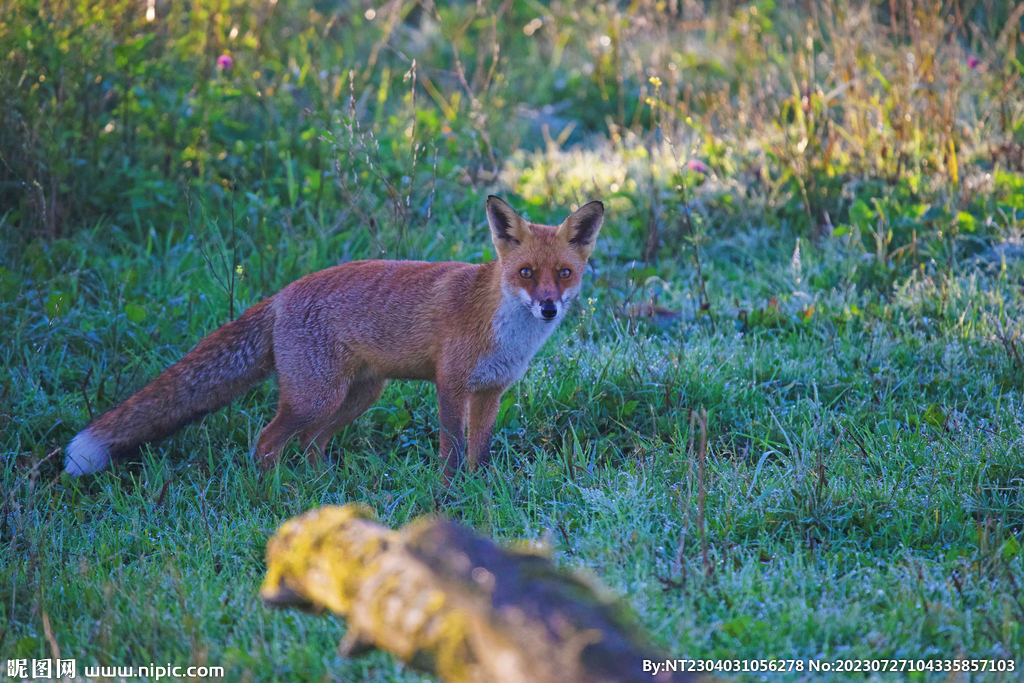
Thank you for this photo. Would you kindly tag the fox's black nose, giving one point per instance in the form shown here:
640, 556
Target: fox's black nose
548, 310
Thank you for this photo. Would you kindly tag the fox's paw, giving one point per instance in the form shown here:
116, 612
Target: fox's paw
85, 454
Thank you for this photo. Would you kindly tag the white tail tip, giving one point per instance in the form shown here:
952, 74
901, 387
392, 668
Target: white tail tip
85, 454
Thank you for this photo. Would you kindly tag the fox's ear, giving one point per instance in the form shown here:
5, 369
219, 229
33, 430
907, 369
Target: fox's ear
581, 228
507, 228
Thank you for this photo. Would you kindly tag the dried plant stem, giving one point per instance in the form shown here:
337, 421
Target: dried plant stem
702, 421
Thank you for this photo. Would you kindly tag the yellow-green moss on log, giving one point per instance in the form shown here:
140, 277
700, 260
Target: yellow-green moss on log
452, 603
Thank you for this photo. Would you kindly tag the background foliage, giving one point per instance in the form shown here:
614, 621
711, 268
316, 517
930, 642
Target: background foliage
813, 232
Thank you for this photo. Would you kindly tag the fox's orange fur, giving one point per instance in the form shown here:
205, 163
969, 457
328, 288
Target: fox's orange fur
335, 337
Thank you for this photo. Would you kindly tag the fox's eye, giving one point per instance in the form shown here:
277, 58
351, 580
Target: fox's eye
526, 273
565, 273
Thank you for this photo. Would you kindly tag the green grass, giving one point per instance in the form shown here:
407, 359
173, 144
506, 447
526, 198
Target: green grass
835, 527
855, 219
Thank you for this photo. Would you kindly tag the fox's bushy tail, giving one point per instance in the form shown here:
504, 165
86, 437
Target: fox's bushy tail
220, 368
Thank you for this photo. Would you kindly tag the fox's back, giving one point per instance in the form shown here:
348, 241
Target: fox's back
393, 315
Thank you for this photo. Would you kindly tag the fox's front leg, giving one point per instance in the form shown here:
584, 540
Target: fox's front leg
452, 405
483, 409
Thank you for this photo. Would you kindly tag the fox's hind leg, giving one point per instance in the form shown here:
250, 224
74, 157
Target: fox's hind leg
297, 413
363, 392
314, 376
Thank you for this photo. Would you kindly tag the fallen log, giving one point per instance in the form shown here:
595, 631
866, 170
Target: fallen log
449, 602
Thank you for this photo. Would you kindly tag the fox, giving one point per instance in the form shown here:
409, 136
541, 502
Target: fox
337, 336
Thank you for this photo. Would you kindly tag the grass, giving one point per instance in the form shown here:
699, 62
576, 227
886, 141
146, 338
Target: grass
840, 276
835, 527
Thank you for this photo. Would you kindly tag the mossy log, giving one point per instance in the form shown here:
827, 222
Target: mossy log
451, 603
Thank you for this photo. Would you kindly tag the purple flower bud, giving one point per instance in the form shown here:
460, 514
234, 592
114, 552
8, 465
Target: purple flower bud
224, 62
697, 166
972, 62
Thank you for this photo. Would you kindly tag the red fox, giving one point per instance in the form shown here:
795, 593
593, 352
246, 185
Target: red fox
337, 336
